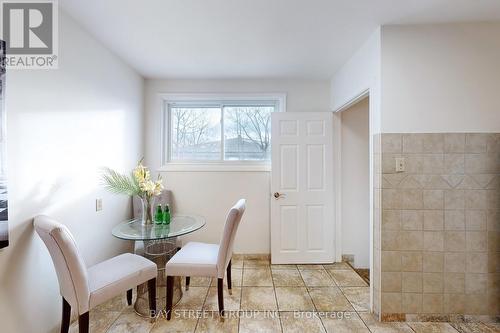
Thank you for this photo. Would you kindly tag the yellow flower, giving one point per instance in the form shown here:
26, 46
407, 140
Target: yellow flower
158, 187
141, 173
148, 187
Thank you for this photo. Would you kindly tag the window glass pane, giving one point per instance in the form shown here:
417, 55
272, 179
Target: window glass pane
247, 132
196, 133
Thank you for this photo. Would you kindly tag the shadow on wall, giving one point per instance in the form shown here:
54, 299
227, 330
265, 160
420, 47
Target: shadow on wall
23, 249
54, 163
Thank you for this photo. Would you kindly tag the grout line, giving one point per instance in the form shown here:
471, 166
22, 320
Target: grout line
411, 328
352, 305
348, 300
241, 299
114, 321
369, 329
239, 309
312, 300
276, 299
331, 276
241, 292
352, 267
202, 306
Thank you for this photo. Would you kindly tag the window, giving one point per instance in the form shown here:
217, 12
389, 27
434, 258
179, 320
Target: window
219, 131
196, 133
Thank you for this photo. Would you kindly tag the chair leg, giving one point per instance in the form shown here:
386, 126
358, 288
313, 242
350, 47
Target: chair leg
220, 294
188, 279
170, 295
152, 296
83, 323
129, 297
229, 285
66, 314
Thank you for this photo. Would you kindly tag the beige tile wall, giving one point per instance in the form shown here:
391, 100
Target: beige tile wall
377, 218
437, 224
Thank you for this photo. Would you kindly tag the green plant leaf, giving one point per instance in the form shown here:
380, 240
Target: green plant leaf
118, 183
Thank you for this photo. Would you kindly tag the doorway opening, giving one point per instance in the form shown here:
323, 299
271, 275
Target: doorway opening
355, 186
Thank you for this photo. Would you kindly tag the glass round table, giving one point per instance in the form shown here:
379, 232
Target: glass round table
158, 243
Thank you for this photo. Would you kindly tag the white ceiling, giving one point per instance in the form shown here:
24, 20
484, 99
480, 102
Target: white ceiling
254, 38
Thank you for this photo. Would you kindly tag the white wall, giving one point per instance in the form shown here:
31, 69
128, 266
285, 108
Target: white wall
355, 180
441, 78
359, 75
62, 125
211, 194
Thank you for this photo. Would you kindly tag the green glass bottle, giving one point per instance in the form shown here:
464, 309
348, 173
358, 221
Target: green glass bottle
166, 215
159, 215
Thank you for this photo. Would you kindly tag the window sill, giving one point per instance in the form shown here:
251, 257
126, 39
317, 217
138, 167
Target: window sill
216, 167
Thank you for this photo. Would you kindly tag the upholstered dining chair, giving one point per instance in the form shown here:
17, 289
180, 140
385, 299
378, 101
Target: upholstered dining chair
202, 259
84, 288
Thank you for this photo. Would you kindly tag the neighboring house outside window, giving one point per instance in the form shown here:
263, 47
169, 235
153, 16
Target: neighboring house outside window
229, 130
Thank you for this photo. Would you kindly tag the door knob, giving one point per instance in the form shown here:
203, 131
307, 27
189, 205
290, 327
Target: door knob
278, 195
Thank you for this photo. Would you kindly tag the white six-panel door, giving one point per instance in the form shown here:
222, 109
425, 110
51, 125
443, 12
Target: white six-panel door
302, 219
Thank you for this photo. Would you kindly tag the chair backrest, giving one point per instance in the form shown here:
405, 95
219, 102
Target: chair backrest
226, 245
70, 267
165, 198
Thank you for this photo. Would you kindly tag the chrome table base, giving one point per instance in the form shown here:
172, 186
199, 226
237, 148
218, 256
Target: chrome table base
160, 252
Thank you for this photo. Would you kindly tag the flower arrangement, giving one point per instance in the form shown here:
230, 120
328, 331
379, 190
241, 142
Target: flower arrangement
138, 183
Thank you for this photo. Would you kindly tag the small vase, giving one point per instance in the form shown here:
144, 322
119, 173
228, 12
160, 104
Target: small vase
147, 211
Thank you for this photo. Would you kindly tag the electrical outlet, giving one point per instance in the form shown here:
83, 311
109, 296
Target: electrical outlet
400, 164
98, 205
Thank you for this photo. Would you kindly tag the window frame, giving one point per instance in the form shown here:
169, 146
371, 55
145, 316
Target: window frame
207, 100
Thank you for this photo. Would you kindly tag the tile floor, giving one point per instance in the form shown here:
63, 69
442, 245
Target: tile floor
271, 298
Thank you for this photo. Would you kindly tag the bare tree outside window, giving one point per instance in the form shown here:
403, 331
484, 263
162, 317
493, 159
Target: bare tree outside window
247, 132
196, 133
